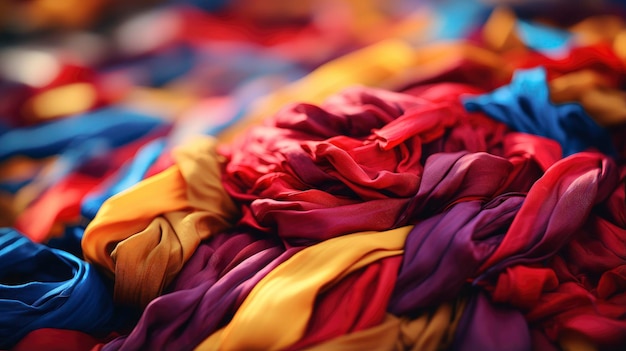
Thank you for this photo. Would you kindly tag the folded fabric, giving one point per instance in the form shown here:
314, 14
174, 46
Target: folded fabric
430, 331
42, 287
357, 302
577, 295
311, 161
144, 235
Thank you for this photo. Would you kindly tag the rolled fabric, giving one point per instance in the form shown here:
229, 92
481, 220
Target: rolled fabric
430, 331
276, 313
204, 295
144, 243
42, 287
525, 106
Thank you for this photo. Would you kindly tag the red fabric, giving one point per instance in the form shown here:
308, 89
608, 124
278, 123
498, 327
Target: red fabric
556, 206
358, 302
582, 288
50, 339
599, 57
351, 164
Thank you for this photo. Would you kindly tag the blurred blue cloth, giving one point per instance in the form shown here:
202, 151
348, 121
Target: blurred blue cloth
42, 287
114, 126
129, 175
525, 106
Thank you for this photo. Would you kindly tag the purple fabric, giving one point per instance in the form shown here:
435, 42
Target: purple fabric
207, 292
488, 327
443, 251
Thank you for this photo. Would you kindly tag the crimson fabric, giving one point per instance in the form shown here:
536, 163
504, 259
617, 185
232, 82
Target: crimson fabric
556, 206
50, 339
358, 302
299, 168
581, 289
311, 173
600, 57
205, 294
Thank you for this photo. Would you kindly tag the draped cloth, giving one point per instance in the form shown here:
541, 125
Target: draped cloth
430, 331
206, 292
144, 235
42, 287
276, 313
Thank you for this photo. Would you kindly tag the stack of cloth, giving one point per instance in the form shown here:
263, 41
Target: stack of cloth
333, 175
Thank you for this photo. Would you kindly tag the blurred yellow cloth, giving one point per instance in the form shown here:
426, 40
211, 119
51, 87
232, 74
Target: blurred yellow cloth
606, 105
368, 66
144, 235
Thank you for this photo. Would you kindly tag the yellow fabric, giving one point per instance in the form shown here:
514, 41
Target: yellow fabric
499, 32
144, 235
276, 313
605, 105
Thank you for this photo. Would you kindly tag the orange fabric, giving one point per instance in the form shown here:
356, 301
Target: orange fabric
606, 105
144, 235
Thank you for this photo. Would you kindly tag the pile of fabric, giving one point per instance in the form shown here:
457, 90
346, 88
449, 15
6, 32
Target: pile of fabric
334, 175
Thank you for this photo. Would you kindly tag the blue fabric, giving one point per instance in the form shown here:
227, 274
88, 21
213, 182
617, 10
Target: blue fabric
70, 241
542, 38
42, 287
524, 105
131, 174
113, 126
